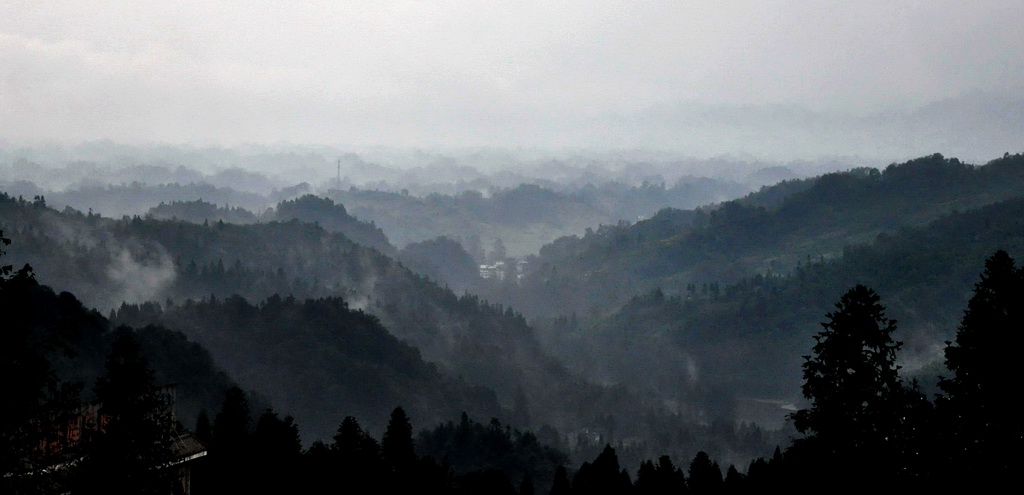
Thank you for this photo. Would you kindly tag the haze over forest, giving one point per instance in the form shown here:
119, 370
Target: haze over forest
572, 247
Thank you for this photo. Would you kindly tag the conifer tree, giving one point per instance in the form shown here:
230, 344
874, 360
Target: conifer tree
397, 445
852, 374
131, 450
980, 402
560, 485
204, 430
645, 483
705, 475
229, 465
858, 403
735, 482
398, 452
231, 425
276, 453
602, 476
664, 478
357, 452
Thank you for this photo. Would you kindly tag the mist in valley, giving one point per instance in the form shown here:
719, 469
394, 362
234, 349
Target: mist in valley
627, 233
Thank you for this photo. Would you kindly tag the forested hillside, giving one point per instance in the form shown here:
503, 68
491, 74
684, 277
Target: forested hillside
199, 211
862, 419
333, 218
482, 344
760, 234
307, 209
45, 330
738, 340
706, 308
318, 359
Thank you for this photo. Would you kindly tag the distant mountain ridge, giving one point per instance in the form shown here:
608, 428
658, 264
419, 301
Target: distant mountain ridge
769, 231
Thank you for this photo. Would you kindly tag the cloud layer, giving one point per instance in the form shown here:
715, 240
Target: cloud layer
469, 73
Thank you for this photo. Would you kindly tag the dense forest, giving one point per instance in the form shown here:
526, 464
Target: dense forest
487, 346
863, 422
769, 231
822, 319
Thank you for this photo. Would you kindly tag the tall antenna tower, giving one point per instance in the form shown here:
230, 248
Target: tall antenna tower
338, 180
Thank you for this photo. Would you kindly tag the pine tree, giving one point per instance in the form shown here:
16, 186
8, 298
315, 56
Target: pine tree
397, 445
132, 448
204, 430
560, 485
980, 400
663, 479
229, 467
852, 382
398, 452
705, 475
602, 476
358, 454
276, 453
735, 482
231, 425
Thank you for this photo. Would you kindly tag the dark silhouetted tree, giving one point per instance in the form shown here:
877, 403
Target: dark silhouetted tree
397, 445
229, 465
276, 437
485, 481
357, 453
204, 430
980, 404
858, 403
602, 476
131, 450
645, 483
399, 453
352, 443
276, 453
735, 481
560, 485
705, 475
231, 425
663, 478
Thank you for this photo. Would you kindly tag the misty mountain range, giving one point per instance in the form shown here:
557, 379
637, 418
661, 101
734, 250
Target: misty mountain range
699, 314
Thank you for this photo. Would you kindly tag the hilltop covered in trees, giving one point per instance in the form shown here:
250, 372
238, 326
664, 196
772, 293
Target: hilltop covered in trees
771, 231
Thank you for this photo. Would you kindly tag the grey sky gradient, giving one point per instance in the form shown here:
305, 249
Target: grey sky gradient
681, 75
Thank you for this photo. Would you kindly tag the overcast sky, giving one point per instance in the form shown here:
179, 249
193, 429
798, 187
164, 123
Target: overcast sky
534, 74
